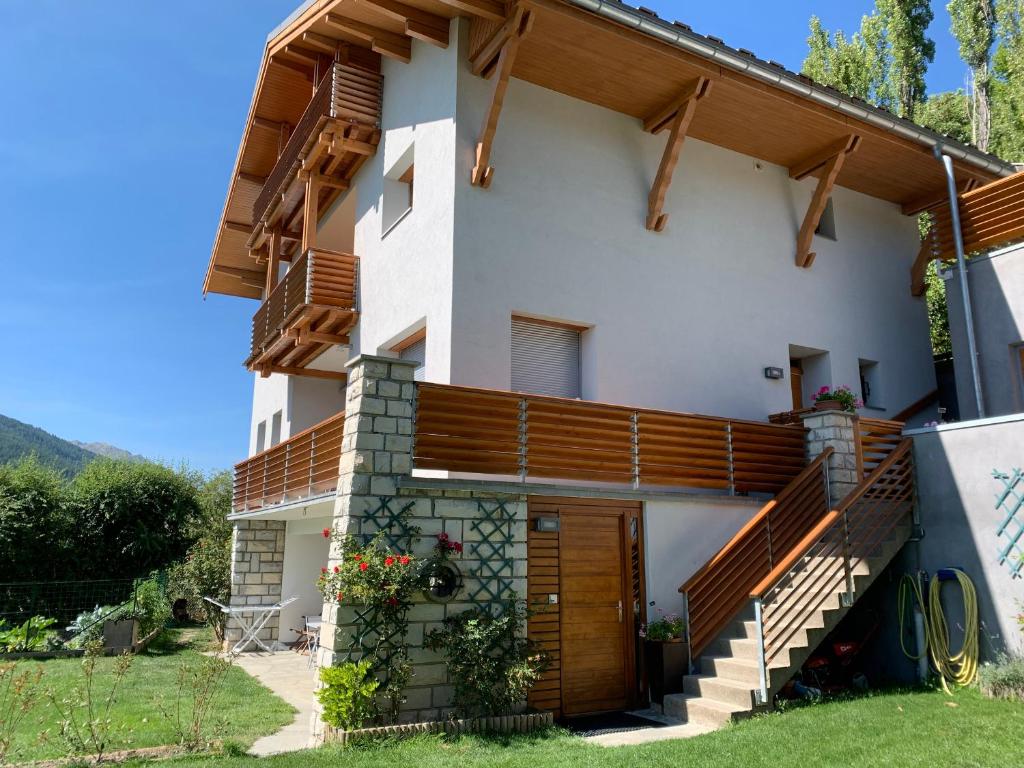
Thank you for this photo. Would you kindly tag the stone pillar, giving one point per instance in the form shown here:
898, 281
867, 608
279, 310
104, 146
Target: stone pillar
835, 430
257, 562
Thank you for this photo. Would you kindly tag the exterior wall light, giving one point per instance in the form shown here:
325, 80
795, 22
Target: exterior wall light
547, 524
773, 373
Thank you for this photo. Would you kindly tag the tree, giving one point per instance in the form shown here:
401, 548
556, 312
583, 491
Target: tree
911, 50
974, 28
37, 536
938, 317
1008, 81
948, 113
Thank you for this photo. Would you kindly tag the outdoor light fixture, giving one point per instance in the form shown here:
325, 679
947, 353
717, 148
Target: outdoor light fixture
773, 373
547, 524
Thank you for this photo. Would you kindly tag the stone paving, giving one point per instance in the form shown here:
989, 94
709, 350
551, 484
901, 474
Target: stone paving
288, 675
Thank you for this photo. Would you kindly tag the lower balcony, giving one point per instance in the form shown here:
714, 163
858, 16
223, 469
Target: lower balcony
311, 309
302, 467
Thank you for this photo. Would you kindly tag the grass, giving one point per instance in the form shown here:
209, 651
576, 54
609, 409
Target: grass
249, 709
907, 728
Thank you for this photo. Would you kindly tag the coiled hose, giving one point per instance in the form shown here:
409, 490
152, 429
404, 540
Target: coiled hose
957, 669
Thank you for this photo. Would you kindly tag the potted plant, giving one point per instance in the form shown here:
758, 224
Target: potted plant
667, 654
838, 399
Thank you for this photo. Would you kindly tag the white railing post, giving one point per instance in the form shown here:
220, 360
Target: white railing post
523, 437
635, 433
761, 694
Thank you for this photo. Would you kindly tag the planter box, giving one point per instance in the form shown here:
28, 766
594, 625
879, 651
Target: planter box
500, 724
666, 665
120, 634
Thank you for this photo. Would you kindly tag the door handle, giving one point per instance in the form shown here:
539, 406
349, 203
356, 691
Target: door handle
620, 611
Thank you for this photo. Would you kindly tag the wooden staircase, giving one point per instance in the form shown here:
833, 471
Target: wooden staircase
762, 605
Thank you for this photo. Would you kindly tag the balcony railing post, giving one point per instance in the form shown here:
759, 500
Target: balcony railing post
287, 469
263, 494
523, 437
732, 464
686, 631
847, 597
634, 424
312, 461
761, 694
309, 274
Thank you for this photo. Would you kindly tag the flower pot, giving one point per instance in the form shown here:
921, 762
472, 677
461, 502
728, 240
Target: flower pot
828, 405
666, 663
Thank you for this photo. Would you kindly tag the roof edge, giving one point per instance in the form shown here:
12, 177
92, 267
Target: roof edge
706, 48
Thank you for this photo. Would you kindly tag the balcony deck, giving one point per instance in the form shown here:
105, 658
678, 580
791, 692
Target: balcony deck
313, 307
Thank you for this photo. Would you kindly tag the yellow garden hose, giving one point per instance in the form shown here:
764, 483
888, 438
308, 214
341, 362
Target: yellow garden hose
957, 669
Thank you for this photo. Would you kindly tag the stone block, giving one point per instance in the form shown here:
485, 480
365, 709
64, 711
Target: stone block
426, 612
401, 373
441, 695
374, 406
386, 425
398, 443
368, 441
401, 463
429, 674
387, 388
272, 578
400, 408
381, 485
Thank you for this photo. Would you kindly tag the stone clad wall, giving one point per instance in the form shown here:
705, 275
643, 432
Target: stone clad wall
257, 562
376, 457
835, 430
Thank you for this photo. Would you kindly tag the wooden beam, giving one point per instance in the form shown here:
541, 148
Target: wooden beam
266, 370
829, 167
273, 259
323, 43
342, 144
305, 336
482, 63
333, 182
312, 58
818, 159
677, 114
381, 41
423, 25
250, 277
287, 234
310, 211
936, 197
919, 268
265, 124
302, 69
485, 9
483, 172
238, 226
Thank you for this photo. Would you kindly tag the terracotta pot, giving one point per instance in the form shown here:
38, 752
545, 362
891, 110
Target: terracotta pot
828, 405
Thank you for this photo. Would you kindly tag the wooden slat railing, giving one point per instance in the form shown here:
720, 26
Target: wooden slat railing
348, 93
302, 466
716, 593
876, 513
991, 217
316, 278
874, 439
461, 429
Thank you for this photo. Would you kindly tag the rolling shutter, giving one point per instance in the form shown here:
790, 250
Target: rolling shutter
545, 359
416, 351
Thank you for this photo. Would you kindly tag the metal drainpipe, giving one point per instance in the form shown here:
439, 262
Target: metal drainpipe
958, 239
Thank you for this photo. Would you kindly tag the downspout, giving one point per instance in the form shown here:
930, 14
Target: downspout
958, 240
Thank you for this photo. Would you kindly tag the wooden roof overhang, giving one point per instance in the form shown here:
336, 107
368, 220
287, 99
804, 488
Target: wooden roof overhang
617, 57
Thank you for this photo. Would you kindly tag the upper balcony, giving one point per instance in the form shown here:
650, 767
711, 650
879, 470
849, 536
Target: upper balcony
313, 307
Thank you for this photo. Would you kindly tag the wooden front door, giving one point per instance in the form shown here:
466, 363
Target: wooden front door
796, 383
596, 611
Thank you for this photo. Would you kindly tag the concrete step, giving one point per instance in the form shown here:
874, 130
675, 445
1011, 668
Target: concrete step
698, 709
729, 668
720, 689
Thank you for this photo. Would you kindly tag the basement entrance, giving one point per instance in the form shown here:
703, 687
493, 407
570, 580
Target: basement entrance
584, 575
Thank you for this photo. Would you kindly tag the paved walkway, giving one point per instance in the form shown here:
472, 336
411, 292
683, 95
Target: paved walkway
286, 674
670, 729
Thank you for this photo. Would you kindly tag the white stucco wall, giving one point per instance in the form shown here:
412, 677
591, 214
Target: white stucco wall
680, 537
305, 553
686, 319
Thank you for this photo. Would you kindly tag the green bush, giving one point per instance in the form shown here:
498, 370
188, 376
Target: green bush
151, 606
1004, 679
32, 635
491, 664
348, 694
37, 534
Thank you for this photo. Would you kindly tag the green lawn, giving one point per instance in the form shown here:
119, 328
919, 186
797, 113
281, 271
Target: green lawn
249, 709
925, 729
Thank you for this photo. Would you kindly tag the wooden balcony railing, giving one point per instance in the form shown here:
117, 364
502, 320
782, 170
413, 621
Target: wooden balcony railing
312, 307
461, 429
302, 466
875, 439
346, 106
716, 593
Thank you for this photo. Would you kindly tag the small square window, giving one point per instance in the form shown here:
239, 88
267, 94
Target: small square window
827, 223
397, 197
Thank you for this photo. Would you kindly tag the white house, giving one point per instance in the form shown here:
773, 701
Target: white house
565, 198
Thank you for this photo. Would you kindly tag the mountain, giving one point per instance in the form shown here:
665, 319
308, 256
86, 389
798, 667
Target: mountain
18, 439
110, 451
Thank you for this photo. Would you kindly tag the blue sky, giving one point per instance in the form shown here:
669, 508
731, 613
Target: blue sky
119, 129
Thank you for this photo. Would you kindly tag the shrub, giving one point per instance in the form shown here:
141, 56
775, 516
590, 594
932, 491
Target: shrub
199, 680
33, 635
347, 695
152, 609
88, 625
1004, 679
37, 535
669, 627
490, 663
19, 694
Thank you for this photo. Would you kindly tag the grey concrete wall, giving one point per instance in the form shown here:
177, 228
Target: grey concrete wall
996, 285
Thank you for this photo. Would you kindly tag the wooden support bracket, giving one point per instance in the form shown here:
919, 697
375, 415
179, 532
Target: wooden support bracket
273, 259
676, 116
266, 370
381, 41
828, 161
518, 25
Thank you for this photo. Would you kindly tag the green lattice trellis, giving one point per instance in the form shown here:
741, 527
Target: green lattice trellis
1010, 531
399, 531
494, 576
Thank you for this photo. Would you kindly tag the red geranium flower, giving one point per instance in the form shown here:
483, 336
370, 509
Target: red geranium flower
327, 533
389, 561
392, 601
458, 547
323, 570
404, 560
340, 596
357, 558
442, 537
363, 566
337, 569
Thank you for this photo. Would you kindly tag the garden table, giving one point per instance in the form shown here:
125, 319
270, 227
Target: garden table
258, 616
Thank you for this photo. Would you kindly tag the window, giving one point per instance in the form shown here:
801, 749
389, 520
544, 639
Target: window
396, 202
870, 388
545, 358
827, 223
414, 348
275, 429
261, 436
